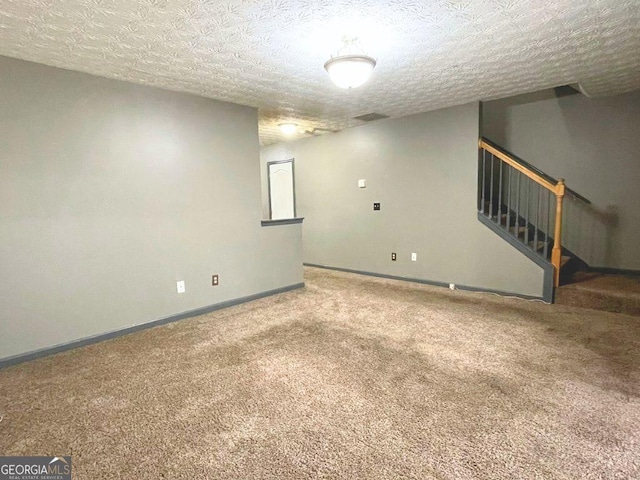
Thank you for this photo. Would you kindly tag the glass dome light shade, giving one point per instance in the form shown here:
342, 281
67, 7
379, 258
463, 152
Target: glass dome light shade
288, 128
350, 71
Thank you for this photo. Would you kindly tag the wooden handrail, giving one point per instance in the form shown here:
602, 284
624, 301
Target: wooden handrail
522, 169
558, 189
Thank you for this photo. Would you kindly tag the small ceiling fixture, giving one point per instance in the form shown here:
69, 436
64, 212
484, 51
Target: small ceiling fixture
288, 128
350, 68
317, 131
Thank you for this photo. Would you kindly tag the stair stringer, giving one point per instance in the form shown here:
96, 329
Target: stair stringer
547, 267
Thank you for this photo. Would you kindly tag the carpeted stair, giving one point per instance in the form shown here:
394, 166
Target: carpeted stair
597, 291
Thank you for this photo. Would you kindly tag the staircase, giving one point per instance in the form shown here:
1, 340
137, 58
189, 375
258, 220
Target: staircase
524, 206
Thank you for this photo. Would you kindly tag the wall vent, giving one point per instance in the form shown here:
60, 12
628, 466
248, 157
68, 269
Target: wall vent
370, 117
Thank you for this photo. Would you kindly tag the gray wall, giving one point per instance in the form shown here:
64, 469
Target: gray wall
594, 144
111, 192
423, 171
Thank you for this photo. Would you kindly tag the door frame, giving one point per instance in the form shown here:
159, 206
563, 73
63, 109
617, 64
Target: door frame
293, 181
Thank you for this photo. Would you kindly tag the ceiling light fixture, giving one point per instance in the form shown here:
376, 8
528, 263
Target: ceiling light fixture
288, 128
350, 68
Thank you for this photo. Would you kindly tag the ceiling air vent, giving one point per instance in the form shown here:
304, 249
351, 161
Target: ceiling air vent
370, 117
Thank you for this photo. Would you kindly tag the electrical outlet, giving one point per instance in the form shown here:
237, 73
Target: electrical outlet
452, 286
180, 286
414, 257
214, 280
376, 206
393, 256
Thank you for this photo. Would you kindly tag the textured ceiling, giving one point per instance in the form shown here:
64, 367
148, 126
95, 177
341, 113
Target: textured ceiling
270, 54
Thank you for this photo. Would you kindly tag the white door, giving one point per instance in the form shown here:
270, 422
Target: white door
281, 190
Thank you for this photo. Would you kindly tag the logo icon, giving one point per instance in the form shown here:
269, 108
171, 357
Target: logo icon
35, 468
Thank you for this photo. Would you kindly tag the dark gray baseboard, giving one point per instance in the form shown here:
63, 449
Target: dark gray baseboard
427, 282
25, 357
614, 271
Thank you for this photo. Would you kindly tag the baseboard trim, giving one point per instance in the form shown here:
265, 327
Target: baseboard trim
434, 283
614, 271
44, 352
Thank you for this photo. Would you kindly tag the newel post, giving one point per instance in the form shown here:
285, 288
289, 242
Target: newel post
556, 253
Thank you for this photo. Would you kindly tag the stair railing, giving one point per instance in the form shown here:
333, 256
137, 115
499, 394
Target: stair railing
502, 201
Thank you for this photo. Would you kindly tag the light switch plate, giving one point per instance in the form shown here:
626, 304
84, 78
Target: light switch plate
362, 183
414, 257
180, 286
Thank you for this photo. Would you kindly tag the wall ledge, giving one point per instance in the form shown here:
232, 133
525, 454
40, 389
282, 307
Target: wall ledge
283, 221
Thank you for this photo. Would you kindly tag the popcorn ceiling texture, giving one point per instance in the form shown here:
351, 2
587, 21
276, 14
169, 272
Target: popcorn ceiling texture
270, 54
352, 377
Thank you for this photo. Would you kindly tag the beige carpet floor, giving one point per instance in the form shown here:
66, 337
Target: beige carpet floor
352, 377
